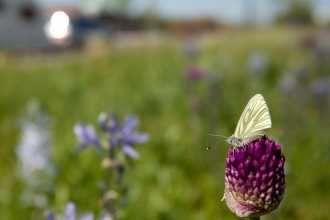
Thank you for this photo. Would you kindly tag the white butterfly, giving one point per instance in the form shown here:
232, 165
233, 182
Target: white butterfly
253, 124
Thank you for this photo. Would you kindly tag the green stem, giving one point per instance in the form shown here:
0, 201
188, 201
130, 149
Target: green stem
254, 218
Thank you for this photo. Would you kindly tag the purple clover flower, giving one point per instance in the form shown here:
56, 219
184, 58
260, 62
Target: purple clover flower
255, 179
86, 135
125, 135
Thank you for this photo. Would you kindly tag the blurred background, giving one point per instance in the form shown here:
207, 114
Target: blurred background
186, 69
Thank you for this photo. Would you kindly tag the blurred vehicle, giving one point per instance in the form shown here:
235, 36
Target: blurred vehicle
24, 25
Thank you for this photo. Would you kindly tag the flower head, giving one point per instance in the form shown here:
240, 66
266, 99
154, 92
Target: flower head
255, 179
33, 149
124, 135
70, 214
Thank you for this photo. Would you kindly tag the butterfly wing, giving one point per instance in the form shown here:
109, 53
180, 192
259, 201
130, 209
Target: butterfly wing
255, 120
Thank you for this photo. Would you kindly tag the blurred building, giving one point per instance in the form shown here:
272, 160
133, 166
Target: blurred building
21, 24
121, 22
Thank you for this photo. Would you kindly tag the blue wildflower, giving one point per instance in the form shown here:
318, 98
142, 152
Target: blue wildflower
125, 135
36, 169
257, 63
49, 216
190, 48
288, 84
35, 143
106, 216
33, 151
70, 214
86, 135
320, 87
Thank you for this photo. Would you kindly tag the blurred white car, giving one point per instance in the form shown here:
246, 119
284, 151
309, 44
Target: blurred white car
24, 25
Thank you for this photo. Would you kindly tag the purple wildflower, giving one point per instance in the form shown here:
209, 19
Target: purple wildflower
194, 73
320, 87
308, 41
86, 135
70, 214
197, 104
301, 73
255, 179
124, 135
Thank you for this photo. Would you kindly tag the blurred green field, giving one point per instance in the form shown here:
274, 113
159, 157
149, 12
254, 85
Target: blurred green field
176, 177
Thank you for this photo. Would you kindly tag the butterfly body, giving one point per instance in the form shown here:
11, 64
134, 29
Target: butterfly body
253, 124
235, 141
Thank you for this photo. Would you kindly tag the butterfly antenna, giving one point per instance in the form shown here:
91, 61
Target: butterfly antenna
213, 145
216, 135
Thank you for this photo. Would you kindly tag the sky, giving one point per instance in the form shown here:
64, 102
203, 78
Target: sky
230, 11
233, 11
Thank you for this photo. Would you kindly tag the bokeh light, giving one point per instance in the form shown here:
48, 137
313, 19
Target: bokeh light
59, 27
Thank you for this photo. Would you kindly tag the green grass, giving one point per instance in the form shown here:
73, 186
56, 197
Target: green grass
176, 177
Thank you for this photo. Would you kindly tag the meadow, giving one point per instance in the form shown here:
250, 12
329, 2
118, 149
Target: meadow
175, 176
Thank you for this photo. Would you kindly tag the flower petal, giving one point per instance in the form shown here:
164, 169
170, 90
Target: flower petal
114, 124
242, 208
70, 211
129, 125
102, 119
86, 135
78, 129
88, 216
129, 151
49, 216
106, 216
91, 133
137, 138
